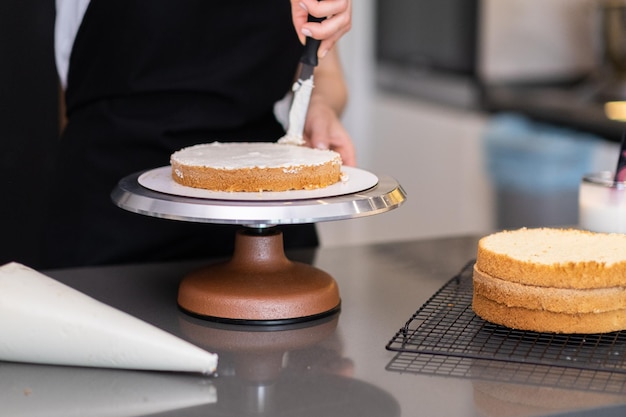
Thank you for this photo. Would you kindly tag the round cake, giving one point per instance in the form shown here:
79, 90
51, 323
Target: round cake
253, 167
552, 280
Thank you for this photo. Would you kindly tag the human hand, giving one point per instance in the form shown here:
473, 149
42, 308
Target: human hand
338, 14
323, 130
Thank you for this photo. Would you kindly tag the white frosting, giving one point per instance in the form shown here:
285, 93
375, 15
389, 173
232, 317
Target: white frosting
253, 155
297, 114
45, 321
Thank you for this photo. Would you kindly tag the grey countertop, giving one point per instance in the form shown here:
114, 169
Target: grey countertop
334, 366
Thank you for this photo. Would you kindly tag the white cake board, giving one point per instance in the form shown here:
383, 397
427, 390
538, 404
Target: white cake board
353, 181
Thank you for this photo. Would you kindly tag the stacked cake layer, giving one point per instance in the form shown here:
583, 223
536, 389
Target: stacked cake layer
552, 280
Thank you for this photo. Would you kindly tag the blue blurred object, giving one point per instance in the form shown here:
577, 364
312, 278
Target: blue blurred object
534, 156
536, 169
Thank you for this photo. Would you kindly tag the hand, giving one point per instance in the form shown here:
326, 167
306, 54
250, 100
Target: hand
338, 14
323, 130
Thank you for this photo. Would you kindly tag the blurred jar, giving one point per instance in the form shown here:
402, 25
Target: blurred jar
602, 203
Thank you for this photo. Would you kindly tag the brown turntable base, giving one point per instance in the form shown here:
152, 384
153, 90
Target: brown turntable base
259, 284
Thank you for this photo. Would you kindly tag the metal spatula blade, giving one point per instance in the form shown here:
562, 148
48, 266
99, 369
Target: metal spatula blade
302, 89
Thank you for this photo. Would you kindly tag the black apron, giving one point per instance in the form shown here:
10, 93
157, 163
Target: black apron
146, 78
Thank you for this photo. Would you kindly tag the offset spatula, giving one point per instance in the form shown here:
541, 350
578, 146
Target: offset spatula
302, 90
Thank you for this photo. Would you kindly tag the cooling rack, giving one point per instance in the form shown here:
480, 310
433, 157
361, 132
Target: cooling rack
445, 333
509, 372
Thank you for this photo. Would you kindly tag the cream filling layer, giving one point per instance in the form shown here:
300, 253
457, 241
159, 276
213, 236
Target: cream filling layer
221, 155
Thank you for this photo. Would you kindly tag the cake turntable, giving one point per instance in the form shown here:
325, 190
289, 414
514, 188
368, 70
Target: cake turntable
259, 284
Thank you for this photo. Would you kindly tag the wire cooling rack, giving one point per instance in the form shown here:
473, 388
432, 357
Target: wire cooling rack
446, 326
510, 372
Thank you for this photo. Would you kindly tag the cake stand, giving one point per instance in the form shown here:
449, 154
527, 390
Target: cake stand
259, 284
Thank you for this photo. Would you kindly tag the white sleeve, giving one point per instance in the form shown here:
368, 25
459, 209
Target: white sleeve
69, 15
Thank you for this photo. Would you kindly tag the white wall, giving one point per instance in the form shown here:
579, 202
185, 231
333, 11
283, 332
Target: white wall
433, 151
435, 154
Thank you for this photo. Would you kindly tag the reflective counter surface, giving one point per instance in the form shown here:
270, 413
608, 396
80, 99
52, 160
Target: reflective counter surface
336, 366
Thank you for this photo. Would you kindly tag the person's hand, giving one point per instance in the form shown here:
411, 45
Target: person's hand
338, 14
323, 130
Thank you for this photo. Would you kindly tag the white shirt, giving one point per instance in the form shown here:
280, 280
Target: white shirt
69, 15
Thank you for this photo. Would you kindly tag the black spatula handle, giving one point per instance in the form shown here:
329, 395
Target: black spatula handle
309, 55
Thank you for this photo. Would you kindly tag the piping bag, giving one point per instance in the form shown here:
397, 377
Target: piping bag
47, 322
302, 89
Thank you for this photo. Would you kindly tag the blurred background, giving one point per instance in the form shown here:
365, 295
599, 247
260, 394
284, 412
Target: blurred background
488, 112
